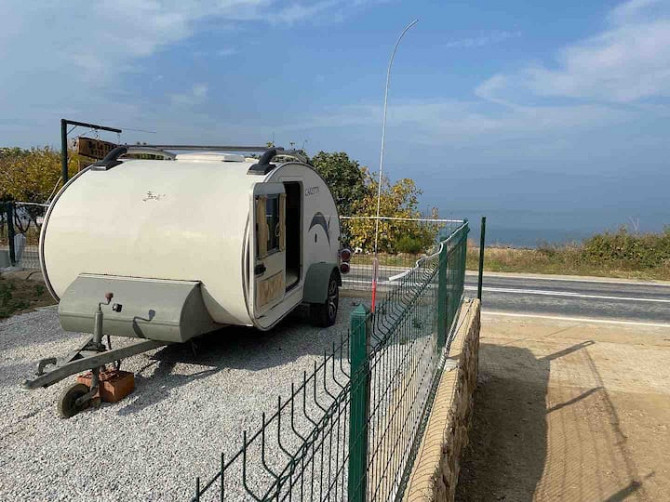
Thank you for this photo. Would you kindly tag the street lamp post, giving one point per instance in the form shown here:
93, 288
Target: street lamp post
375, 266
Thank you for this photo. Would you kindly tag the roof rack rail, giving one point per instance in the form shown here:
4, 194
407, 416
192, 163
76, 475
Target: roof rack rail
220, 148
264, 166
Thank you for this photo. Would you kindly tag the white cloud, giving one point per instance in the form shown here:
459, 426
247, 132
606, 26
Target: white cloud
632, 9
106, 37
294, 13
466, 122
72, 58
483, 39
195, 96
627, 62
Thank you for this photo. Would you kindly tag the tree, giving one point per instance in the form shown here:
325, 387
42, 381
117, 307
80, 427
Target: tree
355, 191
33, 176
344, 177
398, 200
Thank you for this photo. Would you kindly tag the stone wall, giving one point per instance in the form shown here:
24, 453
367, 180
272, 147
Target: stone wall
437, 465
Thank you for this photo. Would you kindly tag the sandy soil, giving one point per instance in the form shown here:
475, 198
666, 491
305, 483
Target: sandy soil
569, 411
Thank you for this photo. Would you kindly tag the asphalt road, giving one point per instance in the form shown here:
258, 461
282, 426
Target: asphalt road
604, 299
582, 298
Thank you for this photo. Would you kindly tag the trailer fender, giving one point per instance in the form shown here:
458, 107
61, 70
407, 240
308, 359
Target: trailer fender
316, 282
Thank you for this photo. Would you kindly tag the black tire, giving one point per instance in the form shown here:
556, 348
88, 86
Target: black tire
67, 402
325, 314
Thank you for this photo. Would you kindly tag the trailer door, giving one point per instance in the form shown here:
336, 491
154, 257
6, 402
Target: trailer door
270, 246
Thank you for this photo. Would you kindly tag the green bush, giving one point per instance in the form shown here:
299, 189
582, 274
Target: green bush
637, 251
410, 245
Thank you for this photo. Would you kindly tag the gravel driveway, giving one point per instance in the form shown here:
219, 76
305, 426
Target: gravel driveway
186, 409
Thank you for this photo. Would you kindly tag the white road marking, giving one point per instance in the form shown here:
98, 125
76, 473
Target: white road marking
575, 319
567, 294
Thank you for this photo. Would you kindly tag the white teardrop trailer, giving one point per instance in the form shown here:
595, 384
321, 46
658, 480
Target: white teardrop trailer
166, 250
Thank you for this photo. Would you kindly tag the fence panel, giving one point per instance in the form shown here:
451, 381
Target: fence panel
26, 223
351, 428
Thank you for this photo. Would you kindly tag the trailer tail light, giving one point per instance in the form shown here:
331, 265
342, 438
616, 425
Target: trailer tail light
345, 255
344, 267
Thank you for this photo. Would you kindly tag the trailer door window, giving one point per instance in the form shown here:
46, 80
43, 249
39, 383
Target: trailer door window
272, 218
270, 235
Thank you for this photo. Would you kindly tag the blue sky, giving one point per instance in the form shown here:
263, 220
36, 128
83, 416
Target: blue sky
543, 115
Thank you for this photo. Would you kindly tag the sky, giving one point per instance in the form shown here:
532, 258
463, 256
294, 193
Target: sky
550, 118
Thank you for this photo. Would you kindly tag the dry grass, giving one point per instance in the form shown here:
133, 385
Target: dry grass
620, 254
566, 260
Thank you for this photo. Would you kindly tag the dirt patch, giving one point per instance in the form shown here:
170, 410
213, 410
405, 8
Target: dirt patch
569, 411
22, 295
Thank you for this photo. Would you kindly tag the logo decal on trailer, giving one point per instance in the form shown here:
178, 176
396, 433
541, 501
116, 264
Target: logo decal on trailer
153, 196
320, 220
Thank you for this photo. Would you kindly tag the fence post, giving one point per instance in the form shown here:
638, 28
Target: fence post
482, 238
442, 300
360, 404
9, 207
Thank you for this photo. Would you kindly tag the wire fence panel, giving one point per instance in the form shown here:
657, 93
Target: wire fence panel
20, 225
408, 337
403, 242
350, 428
300, 450
402, 366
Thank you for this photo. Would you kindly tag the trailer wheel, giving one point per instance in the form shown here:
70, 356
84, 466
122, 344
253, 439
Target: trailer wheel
325, 314
67, 402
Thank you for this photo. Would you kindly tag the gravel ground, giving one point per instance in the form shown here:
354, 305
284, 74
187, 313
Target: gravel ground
186, 409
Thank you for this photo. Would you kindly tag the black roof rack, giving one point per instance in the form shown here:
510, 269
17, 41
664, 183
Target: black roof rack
112, 158
264, 166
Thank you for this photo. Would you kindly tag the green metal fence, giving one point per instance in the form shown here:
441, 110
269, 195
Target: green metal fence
351, 428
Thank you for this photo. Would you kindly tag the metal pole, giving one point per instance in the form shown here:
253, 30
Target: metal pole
63, 149
381, 159
10, 232
481, 258
442, 299
359, 405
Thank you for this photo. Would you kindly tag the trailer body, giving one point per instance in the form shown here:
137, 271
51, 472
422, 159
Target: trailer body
190, 244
